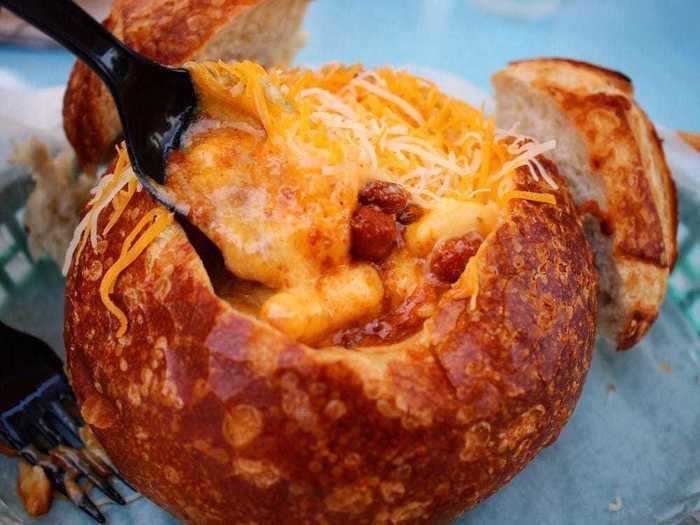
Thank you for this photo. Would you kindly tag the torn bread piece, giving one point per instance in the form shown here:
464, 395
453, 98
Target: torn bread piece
60, 192
612, 158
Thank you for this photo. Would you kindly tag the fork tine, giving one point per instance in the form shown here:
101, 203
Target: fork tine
68, 456
65, 434
77, 495
94, 458
56, 408
31, 454
49, 434
70, 403
96, 463
74, 424
88, 507
102, 466
63, 480
69, 459
71, 488
10, 437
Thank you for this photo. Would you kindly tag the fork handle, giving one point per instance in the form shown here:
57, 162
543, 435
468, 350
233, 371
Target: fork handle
17, 345
25, 360
72, 27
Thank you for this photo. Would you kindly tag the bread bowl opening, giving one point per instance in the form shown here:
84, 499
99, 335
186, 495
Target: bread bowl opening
345, 202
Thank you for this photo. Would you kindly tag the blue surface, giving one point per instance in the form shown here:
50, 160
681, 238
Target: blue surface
39, 67
657, 43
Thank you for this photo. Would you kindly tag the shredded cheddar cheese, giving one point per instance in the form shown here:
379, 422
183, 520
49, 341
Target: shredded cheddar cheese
117, 189
121, 201
547, 198
390, 124
468, 283
156, 220
110, 190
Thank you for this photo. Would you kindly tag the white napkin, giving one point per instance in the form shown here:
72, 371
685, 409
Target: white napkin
26, 112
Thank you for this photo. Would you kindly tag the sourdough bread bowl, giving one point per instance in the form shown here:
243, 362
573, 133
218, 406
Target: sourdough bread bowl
612, 157
319, 377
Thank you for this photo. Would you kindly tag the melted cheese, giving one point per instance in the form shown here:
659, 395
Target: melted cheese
337, 128
308, 312
453, 219
272, 224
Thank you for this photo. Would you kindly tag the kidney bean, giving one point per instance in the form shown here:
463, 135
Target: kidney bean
388, 196
451, 256
373, 233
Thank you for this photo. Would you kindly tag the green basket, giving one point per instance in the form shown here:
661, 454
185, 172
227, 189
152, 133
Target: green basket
16, 266
684, 284
31, 290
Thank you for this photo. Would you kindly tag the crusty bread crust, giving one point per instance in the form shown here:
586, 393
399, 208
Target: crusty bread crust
221, 419
173, 32
692, 139
625, 154
610, 76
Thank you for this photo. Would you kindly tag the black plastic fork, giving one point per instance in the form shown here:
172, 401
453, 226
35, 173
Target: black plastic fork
40, 419
155, 103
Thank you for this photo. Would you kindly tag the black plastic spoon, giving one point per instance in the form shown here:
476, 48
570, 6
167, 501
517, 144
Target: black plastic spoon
155, 103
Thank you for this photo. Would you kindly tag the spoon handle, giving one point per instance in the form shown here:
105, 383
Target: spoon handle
69, 25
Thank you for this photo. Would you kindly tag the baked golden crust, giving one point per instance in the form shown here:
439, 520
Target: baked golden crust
639, 205
693, 139
86, 107
613, 78
169, 32
222, 419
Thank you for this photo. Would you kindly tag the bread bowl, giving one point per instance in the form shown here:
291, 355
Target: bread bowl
613, 160
267, 31
692, 139
307, 376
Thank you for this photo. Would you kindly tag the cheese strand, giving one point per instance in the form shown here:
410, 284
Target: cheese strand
131, 249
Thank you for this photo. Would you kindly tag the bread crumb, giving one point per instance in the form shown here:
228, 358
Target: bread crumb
34, 489
615, 505
665, 367
53, 208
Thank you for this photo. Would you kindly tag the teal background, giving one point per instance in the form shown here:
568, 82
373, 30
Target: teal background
655, 42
